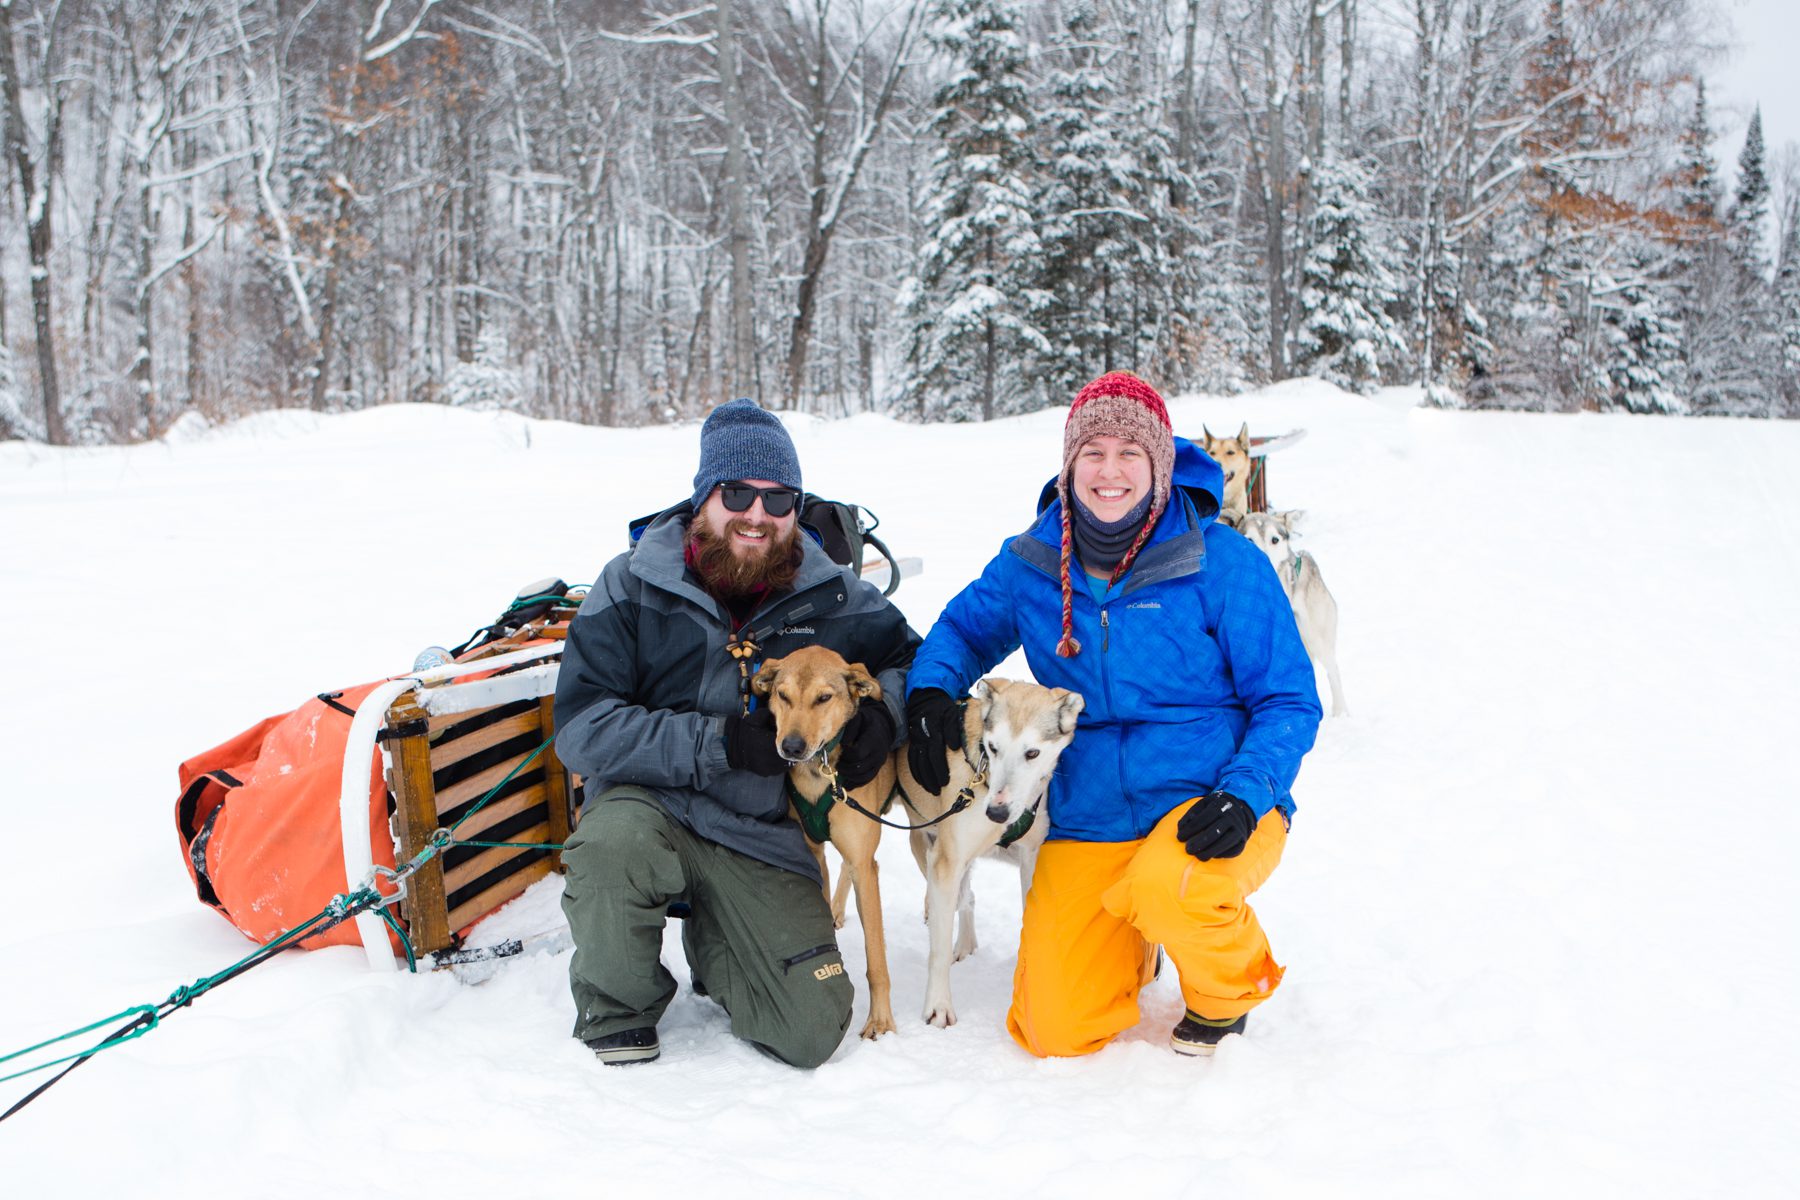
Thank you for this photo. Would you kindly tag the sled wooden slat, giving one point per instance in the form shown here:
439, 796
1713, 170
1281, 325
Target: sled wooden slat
449, 748
444, 724
415, 817
517, 640
464, 915
476, 828
467, 872
477, 786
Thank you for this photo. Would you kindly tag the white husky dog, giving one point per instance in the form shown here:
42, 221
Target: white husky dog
1013, 733
1314, 609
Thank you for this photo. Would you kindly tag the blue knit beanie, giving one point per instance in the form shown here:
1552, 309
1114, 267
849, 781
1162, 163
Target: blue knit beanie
742, 440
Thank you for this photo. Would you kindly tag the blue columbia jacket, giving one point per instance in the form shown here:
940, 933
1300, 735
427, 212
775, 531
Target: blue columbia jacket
1192, 669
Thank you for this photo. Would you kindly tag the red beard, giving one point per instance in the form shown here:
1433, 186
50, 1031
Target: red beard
731, 575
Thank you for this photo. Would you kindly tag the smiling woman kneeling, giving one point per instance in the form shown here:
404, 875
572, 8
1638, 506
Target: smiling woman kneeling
1173, 803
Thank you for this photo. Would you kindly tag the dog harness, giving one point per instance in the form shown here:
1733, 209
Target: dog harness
815, 815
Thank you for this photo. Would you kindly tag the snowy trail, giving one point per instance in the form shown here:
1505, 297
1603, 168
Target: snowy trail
1537, 910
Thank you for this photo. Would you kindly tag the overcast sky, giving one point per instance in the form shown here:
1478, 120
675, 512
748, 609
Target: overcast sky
1763, 68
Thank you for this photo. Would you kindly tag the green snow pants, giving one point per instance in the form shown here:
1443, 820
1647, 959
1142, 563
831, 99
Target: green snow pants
759, 940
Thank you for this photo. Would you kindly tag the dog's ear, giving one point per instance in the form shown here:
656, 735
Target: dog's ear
1069, 706
1244, 436
1206, 437
983, 694
1290, 519
863, 685
764, 683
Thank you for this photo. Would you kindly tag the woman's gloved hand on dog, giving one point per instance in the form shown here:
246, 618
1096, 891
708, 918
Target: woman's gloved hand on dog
934, 727
867, 740
750, 744
1218, 826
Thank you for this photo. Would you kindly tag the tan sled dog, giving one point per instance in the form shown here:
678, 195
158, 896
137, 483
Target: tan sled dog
812, 693
1013, 733
1233, 456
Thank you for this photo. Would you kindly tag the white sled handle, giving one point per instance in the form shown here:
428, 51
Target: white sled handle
1279, 442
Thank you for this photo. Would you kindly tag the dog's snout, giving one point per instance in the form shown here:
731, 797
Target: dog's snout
793, 747
998, 813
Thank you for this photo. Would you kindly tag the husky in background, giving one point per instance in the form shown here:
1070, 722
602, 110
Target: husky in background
1314, 610
1013, 733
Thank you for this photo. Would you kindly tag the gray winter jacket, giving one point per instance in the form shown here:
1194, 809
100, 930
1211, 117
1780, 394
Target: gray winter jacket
646, 683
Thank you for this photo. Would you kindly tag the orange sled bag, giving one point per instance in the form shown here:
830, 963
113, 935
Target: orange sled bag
259, 825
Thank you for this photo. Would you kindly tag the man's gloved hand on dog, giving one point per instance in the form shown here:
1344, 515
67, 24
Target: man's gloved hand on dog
750, 744
934, 727
1219, 825
867, 738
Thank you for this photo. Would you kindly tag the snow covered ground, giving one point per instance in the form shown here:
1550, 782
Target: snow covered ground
1538, 912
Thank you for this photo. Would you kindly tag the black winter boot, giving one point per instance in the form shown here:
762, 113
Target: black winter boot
1198, 1035
626, 1047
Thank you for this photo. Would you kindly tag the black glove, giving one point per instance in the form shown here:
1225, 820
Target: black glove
868, 736
1218, 826
750, 743
934, 727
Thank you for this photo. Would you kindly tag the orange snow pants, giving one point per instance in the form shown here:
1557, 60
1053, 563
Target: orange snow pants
1098, 910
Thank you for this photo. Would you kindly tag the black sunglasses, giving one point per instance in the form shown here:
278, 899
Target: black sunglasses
777, 501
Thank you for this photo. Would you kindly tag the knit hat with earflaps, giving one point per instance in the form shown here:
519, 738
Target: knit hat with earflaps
1124, 406
743, 440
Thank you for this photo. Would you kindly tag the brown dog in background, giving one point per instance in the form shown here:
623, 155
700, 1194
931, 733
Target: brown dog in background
812, 693
1233, 456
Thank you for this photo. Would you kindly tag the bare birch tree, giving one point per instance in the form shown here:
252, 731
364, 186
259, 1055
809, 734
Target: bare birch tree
38, 171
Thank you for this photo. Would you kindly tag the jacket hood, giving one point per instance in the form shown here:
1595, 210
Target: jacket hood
1195, 470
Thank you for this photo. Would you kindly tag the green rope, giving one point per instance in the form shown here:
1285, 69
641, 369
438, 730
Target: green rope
340, 909
522, 764
567, 601
513, 845
143, 1010
412, 963
150, 1015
